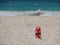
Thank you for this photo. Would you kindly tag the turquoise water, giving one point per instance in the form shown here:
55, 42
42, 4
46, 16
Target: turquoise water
29, 5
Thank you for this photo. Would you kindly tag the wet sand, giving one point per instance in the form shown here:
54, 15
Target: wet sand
17, 30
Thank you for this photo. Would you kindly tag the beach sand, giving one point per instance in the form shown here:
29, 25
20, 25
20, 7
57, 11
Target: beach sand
17, 30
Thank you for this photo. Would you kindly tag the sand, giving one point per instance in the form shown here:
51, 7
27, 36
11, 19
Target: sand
20, 30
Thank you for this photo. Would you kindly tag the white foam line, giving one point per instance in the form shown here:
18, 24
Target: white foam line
28, 13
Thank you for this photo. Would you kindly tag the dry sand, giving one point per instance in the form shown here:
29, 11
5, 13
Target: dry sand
20, 30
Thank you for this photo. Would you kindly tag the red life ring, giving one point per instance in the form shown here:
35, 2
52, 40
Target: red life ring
38, 32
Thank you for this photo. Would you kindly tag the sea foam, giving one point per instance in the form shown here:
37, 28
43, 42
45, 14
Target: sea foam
30, 13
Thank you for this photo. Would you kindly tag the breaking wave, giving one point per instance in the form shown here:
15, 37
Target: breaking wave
30, 13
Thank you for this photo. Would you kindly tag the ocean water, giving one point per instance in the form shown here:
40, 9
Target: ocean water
29, 6
14, 7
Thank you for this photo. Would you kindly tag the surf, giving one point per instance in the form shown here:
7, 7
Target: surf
30, 13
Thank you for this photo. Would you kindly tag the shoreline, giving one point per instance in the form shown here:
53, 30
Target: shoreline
29, 13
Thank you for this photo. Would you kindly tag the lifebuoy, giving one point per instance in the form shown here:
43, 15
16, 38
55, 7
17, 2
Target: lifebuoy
38, 32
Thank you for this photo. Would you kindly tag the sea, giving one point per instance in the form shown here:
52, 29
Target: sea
30, 6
